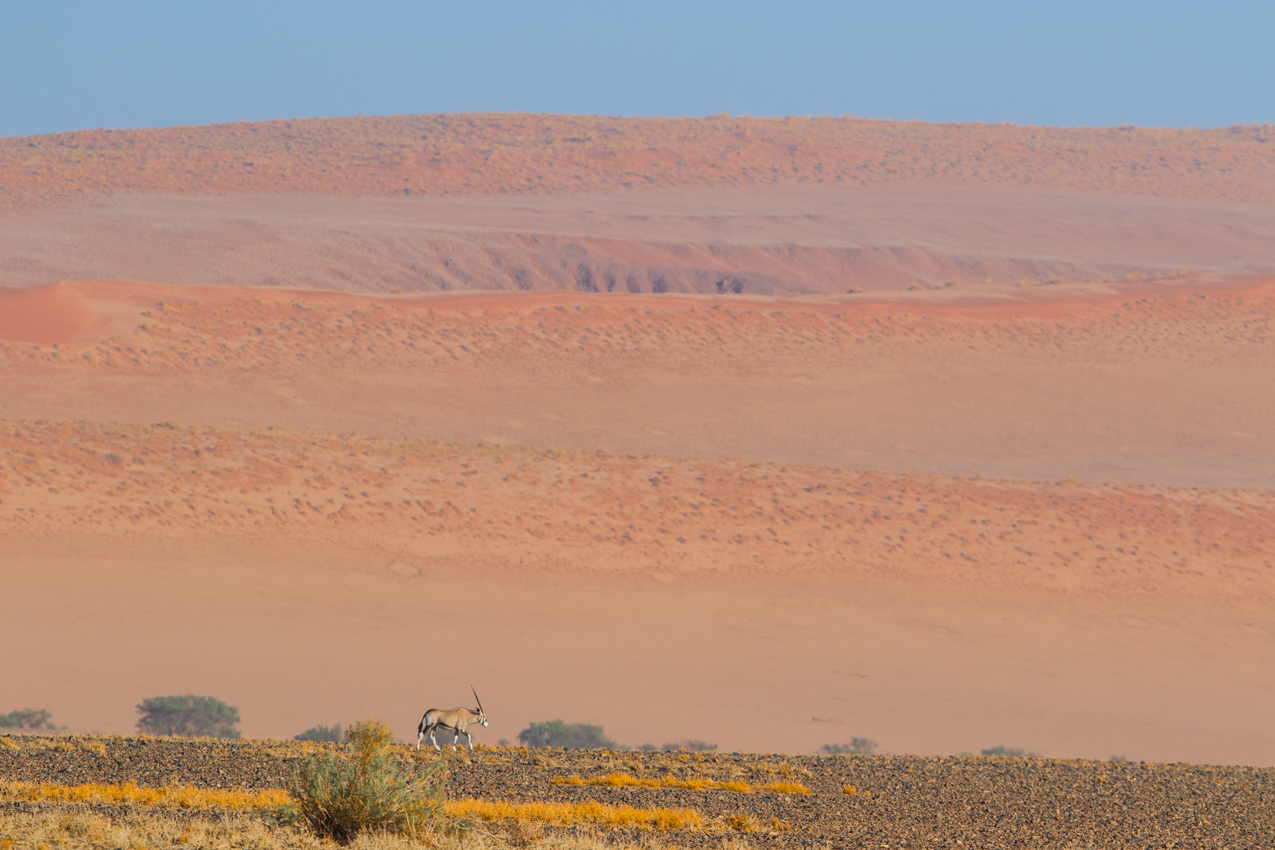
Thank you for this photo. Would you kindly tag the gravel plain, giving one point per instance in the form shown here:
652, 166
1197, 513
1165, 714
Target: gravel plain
898, 801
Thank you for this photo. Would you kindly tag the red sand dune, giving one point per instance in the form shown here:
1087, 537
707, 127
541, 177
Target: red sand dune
1141, 382
47, 314
529, 154
622, 514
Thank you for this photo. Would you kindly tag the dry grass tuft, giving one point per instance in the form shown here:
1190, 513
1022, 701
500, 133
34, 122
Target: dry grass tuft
557, 814
624, 780
741, 822
782, 769
569, 814
72, 831
131, 794
93, 746
783, 787
82, 831
56, 743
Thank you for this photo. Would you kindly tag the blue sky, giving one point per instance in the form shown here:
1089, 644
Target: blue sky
78, 65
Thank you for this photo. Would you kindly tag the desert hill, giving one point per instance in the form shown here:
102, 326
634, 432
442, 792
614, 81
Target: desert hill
1151, 382
776, 240
478, 154
735, 205
623, 514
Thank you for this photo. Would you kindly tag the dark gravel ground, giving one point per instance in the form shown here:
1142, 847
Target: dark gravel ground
901, 801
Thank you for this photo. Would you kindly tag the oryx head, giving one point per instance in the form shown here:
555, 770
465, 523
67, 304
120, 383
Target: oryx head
482, 715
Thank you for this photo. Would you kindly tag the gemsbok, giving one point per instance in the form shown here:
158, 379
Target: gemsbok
455, 719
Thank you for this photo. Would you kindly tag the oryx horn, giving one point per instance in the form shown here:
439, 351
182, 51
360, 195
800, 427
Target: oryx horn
480, 702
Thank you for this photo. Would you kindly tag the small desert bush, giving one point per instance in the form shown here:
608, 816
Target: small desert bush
188, 715
690, 745
341, 796
855, 746
569, 736
28, 720
1008, 752
329, 734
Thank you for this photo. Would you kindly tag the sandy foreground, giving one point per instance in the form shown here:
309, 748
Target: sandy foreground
770, 433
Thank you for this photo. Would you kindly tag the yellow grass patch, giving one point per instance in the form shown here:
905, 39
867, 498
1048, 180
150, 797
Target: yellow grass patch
782, 787
567, 814
158, 829
131, 794
624, 780
562, 814
742, 822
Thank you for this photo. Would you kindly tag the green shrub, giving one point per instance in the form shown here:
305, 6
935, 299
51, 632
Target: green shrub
189, 715
332, 734
31, 719
1011, 752
690, 745
571, 736
340, 796
856, 746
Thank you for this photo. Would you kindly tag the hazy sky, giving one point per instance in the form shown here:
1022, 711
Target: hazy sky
75, 65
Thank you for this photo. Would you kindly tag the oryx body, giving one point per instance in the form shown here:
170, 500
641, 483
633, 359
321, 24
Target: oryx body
455, 719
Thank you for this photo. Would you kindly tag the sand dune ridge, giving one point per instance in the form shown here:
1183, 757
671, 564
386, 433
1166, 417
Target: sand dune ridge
520, 153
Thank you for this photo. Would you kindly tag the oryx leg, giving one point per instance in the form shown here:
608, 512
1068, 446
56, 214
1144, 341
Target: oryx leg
469, 738
434, 740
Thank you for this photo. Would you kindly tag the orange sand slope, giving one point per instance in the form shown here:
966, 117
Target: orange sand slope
613, 514
45, 314
495, 153
1141, 381
811, 238
310, 577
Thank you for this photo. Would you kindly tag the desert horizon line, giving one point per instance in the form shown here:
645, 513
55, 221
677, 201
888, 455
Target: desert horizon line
718, 116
